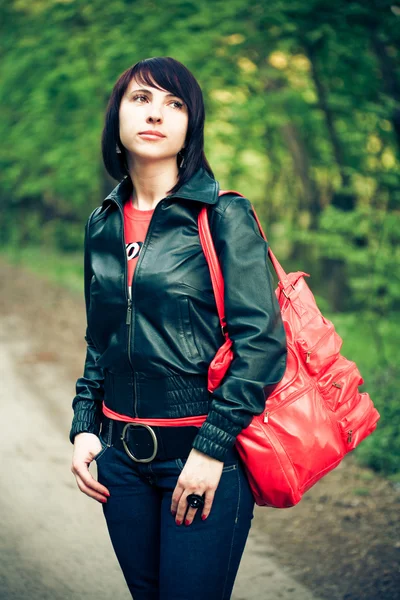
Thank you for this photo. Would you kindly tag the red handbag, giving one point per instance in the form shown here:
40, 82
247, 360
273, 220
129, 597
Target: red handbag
315, 415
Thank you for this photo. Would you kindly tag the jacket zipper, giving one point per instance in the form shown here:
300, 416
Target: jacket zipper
129, 301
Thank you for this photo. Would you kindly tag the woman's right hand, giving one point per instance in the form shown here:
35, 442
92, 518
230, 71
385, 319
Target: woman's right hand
86, 447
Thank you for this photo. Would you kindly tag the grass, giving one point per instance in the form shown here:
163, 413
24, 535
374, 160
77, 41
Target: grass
65, 269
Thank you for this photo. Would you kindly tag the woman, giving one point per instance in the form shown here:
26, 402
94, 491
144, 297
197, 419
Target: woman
152, 331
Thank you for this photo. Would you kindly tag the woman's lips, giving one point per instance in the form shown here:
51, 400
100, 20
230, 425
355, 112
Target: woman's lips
151, 136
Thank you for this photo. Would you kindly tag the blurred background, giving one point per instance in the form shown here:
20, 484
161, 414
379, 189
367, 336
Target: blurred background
302, 117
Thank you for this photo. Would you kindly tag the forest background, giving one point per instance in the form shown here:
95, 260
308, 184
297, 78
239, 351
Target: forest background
303, 118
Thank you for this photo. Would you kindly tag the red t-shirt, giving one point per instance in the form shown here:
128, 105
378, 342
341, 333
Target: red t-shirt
136, 223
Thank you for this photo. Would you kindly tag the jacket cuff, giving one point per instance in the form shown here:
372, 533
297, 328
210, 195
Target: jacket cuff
84, 421
216, 436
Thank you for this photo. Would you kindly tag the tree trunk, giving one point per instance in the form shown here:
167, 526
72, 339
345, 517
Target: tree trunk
301, 166
390, 83
344, 198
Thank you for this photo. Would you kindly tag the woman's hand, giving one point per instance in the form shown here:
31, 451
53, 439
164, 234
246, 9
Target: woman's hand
86, 447
201, 474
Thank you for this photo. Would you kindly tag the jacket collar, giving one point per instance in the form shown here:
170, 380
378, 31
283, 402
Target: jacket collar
201, 187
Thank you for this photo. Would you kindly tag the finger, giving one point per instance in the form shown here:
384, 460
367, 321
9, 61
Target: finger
190, 515
176, 496
82, 471
88, 491
181, 509
208, 501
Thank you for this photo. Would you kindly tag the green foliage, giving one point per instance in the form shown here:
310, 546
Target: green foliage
367, 240
302, 102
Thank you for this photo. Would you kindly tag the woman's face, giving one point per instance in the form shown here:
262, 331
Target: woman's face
145, 108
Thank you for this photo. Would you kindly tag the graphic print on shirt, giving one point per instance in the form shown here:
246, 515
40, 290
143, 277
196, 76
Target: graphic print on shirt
136, 224
132, 252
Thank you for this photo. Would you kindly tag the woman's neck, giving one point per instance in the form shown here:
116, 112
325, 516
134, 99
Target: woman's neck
151, 183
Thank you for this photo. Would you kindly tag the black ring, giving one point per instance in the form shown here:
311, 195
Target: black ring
195, 500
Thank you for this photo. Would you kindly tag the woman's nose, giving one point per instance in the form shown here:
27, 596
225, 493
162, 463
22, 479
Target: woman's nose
154, 119
154, 114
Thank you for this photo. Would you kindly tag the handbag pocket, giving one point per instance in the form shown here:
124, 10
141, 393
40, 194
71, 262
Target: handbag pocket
310, 443
359, 422
339, 383
318, 344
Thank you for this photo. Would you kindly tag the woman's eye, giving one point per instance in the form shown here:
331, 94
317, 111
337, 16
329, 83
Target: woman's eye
139, 96
179, 104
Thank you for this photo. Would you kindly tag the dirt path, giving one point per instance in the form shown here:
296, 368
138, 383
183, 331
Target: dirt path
340, 542
53, 538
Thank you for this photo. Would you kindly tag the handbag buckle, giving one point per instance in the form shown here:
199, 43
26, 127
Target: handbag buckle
283, 291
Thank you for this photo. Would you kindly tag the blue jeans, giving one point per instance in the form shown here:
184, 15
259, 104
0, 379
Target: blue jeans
161, 560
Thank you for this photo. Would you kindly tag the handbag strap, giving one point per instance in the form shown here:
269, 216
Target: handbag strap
217, 279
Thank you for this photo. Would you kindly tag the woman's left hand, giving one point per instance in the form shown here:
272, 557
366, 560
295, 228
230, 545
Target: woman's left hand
200, 475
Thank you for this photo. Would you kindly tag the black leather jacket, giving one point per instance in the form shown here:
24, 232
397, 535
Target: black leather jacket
149, 357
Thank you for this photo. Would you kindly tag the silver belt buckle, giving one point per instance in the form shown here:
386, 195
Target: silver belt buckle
127, 450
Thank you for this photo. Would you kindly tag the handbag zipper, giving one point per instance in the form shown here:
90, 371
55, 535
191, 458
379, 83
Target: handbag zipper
343, 374
348, 431
129, 301
340, 376
357, 424
334, 383
308, 352
346, 370
291, 398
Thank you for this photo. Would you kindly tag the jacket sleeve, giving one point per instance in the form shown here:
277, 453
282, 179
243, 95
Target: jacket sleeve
90, 387
255, 327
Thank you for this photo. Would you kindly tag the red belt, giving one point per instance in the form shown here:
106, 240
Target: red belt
197, 420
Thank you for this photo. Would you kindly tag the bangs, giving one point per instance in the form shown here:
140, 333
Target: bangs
154, 74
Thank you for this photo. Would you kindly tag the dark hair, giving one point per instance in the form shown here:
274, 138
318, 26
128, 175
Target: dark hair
170, 75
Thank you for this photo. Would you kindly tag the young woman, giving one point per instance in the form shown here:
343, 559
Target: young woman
175, 496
